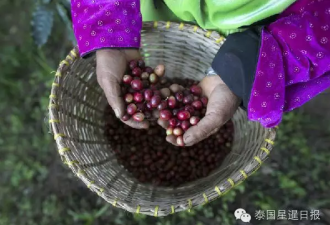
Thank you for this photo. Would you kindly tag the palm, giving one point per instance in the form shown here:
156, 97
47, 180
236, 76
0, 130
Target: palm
110, 69
221, 107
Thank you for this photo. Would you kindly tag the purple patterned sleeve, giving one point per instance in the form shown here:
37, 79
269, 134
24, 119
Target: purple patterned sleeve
106, 24
294, 61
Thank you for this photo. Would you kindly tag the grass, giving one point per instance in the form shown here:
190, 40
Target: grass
36, 189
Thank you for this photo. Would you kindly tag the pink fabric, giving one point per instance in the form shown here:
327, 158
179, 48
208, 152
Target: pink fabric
106, 23
294, 61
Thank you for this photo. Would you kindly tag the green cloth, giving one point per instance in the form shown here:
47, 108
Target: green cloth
224, 16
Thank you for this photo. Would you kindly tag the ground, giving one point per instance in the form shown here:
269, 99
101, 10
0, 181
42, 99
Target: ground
37, 189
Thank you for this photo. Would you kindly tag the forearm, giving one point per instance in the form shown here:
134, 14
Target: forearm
236, 63
281, 67
101, 24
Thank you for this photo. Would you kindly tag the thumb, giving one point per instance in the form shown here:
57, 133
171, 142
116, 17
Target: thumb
210, 124
112, 91
218, 111
110, 68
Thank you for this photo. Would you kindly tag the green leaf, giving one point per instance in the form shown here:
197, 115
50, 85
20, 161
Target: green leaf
46, 1
102, 211
66, 18
42, 23
67, 5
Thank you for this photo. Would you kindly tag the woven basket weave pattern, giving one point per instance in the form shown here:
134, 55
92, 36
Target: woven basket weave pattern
77, 120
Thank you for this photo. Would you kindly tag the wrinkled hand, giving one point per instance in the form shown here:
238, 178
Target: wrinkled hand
110, 69
222, 104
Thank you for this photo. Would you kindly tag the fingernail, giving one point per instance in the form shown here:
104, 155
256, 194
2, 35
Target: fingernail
116, 112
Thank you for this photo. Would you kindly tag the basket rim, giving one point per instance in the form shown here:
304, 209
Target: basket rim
219, 190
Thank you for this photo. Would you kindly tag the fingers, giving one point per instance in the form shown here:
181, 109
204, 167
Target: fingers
174, 88
221, 107
112, 91
206, 127
166, 93
162, 123
171, 139
137, 125
111, 66
110, 69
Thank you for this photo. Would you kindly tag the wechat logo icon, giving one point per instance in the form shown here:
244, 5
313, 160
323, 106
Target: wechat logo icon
240, 214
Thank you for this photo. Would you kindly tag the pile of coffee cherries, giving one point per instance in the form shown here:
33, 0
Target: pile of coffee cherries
149, 158
145, 92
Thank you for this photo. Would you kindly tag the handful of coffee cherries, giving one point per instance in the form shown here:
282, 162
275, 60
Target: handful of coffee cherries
149, 95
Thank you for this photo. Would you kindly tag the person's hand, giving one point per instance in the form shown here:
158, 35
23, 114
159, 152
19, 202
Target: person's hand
111, 65
222, 104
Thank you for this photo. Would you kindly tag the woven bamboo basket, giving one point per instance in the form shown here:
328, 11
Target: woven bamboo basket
76, 118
